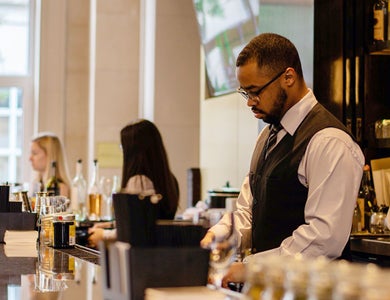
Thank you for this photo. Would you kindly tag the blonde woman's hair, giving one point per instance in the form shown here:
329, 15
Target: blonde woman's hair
54, 150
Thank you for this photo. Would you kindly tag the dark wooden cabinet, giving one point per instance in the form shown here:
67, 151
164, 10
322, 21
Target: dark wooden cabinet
351, 71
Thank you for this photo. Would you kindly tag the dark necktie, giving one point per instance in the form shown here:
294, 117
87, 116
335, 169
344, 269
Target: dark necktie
275, 128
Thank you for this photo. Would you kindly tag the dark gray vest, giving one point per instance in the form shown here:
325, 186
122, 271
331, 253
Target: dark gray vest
278, 197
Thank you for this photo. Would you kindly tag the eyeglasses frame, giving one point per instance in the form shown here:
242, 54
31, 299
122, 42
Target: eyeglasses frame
247, 95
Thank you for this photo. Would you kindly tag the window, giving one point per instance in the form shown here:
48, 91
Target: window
16, 87
10, 132
14, 35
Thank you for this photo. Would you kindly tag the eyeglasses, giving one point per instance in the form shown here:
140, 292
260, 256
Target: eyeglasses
256, 94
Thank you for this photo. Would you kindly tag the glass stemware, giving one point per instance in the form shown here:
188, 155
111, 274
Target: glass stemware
223, 254
106, 184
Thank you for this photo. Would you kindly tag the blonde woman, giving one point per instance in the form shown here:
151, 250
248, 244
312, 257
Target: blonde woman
46, 147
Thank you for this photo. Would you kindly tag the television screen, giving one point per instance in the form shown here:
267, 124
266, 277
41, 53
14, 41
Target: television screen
225, 26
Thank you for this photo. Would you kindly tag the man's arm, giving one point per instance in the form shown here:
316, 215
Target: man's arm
242, 218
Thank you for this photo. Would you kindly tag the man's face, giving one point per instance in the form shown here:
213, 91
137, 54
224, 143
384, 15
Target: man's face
38, 158
268, 103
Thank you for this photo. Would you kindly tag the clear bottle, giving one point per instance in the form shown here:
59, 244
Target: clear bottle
375, 285
321, 279
296, 279
78, 194
274, 278
356, 220
348, 279
94, 194
53, 184
369, 196
254, 285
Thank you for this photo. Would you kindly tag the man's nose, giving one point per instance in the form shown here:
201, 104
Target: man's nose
252, 102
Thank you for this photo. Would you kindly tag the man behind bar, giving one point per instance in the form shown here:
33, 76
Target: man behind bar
306, 168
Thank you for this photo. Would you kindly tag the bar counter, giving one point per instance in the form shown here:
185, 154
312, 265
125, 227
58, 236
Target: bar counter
75, 273
371, 250
50, 274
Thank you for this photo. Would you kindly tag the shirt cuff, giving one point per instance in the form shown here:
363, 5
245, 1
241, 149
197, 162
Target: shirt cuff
109, 234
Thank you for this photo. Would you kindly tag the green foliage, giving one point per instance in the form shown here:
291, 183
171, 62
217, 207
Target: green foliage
210, 7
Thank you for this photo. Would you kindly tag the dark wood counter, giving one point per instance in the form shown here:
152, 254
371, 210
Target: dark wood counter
374, 250
65, 274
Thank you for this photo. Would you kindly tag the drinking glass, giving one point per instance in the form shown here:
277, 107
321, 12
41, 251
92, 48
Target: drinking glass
223, 254
377, 222
107, 185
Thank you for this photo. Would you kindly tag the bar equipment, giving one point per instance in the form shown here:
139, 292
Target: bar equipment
4, 197
377, 222
146, 251
223, 253
11, 215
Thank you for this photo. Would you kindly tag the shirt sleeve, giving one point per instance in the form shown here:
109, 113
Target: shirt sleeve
332, 169
109, 234
140, 184
242, 217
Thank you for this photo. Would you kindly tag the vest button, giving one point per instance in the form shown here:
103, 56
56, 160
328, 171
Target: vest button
254, 201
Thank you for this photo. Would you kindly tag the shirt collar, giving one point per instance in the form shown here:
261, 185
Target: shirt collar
295, 115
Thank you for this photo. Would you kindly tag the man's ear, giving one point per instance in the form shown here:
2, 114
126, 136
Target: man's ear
290, 76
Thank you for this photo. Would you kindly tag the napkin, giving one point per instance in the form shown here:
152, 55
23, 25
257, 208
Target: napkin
20, 237
180, 293
20, 243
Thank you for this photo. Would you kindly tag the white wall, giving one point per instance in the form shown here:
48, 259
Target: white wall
177, 81
228, 135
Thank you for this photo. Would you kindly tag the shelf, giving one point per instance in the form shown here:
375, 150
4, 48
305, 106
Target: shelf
379, 48
383, 143
385, 51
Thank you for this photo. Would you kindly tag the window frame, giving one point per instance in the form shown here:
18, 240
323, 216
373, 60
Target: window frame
27, 84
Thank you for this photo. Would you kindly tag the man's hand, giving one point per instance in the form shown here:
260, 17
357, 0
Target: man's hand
207, 240
236, 273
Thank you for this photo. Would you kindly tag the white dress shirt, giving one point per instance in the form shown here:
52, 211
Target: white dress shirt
331, 169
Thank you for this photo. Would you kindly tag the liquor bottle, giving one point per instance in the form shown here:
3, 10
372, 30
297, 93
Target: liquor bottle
360, 204
53, 184
356, 219
78, 194
380, 14
94, 194
369, 196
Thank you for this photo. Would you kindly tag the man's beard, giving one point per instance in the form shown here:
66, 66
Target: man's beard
275, 115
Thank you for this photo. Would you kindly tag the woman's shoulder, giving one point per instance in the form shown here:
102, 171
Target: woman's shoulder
139, 184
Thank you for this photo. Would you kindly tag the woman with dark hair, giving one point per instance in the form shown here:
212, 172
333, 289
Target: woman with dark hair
146, 168
145, 171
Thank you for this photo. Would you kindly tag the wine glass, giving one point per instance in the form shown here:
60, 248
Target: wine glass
106, 184
223, 254
377, 222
